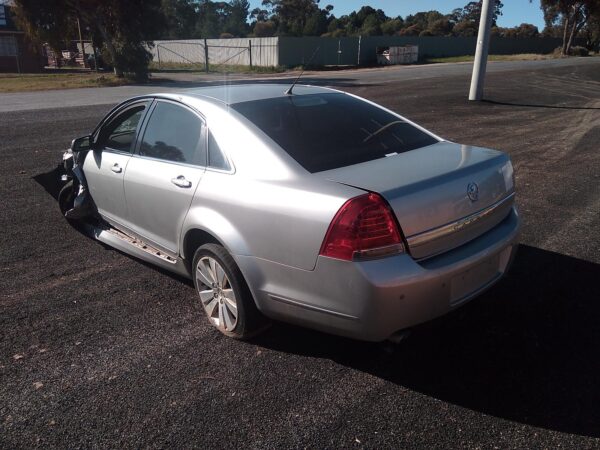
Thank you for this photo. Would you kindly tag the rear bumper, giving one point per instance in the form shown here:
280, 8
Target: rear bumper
371, 300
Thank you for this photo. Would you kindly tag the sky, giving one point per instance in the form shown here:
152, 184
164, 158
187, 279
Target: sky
514, 12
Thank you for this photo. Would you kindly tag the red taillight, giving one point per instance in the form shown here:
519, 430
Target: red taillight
363, 227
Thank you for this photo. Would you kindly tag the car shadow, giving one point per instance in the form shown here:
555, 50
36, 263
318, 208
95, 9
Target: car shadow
50, 181
526, 351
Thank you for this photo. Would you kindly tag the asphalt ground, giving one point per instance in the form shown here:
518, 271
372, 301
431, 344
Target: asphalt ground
98, 349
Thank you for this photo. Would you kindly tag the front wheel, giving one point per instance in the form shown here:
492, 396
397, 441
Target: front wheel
66, 197
224, 294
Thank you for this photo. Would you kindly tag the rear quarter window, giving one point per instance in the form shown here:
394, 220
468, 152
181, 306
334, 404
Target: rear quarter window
216, 158
332, 130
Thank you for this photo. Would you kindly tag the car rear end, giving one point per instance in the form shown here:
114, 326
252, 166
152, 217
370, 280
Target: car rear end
372, 299
457, 239
433, 224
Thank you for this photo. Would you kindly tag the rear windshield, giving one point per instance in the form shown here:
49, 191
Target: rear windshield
327, 131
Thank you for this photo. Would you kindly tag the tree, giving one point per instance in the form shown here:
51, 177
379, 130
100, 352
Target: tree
412, 30
472, 12
424, 19
295, 17
591, 31
292, 15
259, 15
571, 15
371, 26
525, 30
441, 27
238, 12
40, 22
392, 26
366, 12
367, 21
316, 24
466, 28
211, 19
124, 27
265, 29
180, 18
466, 20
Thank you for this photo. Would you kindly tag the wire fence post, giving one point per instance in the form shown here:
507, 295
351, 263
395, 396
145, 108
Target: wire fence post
158, 55
17, 56
96, 58
358, 60
250, 51
206, 55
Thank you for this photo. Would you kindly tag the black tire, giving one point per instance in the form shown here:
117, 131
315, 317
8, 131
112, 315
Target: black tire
66, 197
249, 321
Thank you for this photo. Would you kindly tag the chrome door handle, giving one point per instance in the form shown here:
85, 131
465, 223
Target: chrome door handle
116, 168
181, 182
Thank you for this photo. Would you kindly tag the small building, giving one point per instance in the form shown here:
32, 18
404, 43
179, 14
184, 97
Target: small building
17, 53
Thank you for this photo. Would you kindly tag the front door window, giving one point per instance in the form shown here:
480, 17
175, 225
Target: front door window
119, 134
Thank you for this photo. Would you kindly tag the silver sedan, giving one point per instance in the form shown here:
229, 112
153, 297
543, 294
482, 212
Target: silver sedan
310, 206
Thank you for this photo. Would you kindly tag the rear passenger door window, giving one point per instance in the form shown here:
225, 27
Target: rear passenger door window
174, 133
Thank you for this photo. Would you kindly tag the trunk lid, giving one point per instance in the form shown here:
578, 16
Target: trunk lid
443, 195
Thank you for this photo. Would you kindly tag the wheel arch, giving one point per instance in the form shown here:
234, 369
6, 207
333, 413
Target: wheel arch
205, 223
196, 237
193, 239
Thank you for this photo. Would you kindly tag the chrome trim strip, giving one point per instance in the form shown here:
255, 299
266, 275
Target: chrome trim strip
445, 230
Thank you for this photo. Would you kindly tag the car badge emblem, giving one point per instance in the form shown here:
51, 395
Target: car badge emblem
473, 191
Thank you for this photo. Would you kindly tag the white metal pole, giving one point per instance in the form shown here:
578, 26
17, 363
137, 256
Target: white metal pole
481, 52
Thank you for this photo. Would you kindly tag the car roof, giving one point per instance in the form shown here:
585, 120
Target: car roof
231, 94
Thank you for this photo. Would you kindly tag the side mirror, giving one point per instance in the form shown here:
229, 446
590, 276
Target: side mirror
81, 144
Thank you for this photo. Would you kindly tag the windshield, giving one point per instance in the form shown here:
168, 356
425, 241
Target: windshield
331, 130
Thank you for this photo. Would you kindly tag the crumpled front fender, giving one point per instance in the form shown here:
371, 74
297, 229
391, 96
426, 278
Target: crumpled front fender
83, 205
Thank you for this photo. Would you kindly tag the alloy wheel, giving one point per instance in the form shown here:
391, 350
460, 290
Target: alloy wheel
217, 294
